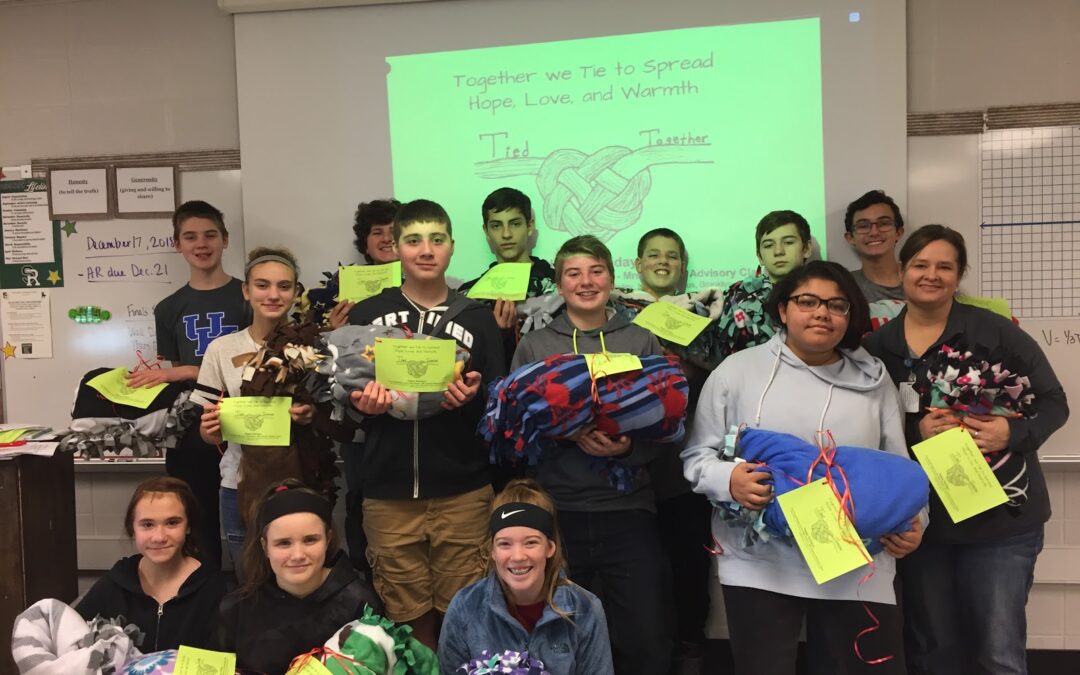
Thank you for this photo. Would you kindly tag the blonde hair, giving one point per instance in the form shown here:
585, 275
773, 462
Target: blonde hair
528, 491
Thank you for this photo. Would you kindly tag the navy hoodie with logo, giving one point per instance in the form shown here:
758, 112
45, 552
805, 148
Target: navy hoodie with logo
441, 456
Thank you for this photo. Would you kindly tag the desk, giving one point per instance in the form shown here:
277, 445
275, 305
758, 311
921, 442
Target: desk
37, 539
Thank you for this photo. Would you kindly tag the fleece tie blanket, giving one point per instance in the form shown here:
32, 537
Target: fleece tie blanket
887, 491
51, 638
541, 403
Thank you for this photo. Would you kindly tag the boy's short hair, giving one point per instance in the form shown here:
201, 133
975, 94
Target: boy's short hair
866, 201
777, 219
197, 209
585, 244
421, 211
661, 232
504, 199
370, 214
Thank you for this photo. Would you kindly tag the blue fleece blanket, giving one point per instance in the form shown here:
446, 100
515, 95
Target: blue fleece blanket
888, 491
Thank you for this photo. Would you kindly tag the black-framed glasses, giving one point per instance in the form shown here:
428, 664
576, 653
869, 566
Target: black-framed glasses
884, 224
808, 302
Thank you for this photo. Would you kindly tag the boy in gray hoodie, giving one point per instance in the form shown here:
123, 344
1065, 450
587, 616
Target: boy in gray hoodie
610, 536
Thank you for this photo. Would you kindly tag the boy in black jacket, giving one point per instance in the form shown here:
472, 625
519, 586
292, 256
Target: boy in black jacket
427, 483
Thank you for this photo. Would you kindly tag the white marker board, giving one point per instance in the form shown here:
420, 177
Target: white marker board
125, 267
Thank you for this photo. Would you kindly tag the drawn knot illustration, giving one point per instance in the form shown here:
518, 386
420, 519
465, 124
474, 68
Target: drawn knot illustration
589, 194
600, 193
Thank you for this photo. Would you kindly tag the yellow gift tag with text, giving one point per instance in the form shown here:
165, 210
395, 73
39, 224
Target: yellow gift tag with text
961, 477
359, 282
192, 661
256, 420
828, 541
414, 365
113, 386
505, 281
611, 363
671, 323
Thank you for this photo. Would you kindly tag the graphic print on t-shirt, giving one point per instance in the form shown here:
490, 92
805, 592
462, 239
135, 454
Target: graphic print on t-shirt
202, 336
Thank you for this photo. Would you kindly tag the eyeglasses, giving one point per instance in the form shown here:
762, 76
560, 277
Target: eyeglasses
808, 302
883, 225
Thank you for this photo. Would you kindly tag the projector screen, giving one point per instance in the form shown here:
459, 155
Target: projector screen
618, 135
614, 116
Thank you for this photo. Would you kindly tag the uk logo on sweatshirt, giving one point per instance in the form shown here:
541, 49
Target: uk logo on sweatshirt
203, 335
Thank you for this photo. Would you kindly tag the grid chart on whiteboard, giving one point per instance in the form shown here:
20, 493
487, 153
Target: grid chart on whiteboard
1029, 240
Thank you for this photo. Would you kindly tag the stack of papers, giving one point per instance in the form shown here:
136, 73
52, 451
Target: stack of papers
26, 439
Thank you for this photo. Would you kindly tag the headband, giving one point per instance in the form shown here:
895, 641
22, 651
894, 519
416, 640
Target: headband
286, 501
520, 514
272, 257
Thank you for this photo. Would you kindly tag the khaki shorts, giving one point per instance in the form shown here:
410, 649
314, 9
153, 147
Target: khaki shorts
423, 551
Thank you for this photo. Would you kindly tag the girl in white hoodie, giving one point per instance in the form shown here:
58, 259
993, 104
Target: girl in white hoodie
811, 376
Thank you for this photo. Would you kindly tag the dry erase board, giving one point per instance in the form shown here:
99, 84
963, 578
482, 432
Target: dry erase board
125, 267
1015, 196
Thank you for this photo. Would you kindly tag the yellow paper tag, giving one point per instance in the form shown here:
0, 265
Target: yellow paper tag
828, 541
308, 665
113, 386
414, 365
11, 435
611, 363
505, 281
191, 661
256, 420
995, 305
962, 479
671, 323
359, 282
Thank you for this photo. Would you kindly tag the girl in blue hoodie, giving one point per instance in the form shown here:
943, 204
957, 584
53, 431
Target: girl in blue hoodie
811, 376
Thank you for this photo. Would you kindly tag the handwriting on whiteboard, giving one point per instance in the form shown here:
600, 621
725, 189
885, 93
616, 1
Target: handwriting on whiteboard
1053, 336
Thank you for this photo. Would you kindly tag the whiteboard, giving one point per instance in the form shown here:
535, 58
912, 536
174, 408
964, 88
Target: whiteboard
945, 186
125, 267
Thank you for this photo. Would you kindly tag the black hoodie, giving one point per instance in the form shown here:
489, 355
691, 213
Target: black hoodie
440, 456
183, 620
269, 628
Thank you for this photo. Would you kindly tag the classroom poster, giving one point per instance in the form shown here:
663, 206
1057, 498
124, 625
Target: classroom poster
30, 252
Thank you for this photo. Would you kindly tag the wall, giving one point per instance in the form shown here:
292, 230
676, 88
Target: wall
115, 76
972, 54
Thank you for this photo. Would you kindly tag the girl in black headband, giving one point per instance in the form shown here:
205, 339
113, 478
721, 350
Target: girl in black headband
298, 588
526, 599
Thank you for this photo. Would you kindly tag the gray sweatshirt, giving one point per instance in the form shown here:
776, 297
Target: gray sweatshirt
768, 387
566, 471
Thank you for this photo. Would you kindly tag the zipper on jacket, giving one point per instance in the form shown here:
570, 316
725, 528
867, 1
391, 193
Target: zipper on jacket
157, 630
416, 429
416, 459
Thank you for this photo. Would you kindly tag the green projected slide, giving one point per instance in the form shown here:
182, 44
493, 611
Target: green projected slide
702, 130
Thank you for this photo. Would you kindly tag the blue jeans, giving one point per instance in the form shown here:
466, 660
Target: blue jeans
234, 528
964, 605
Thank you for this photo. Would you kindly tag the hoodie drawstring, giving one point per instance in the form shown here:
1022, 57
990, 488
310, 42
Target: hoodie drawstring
603, 347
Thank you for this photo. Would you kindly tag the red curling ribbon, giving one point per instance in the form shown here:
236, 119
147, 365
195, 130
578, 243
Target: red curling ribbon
143, 363
827, 454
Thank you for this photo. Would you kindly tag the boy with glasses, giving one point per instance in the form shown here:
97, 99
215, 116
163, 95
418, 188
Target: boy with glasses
874, 228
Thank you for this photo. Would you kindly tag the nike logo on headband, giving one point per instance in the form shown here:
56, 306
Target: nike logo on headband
507, 514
